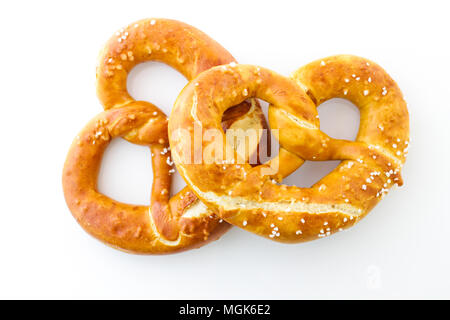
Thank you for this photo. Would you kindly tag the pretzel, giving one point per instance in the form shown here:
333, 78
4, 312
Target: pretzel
250, 197
169, 224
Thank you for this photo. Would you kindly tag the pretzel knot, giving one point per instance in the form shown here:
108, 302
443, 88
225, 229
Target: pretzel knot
250, 197
169, 224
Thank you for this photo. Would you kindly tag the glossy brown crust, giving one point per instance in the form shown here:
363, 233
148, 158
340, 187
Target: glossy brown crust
160, 228
251, 198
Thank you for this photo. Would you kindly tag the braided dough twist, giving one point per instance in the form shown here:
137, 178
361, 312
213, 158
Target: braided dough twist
170, 224
249, 197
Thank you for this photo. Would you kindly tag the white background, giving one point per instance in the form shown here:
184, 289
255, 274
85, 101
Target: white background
48, 56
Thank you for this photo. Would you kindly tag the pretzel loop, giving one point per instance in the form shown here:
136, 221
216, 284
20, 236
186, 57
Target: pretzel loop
250, 197
365, 86
136, 228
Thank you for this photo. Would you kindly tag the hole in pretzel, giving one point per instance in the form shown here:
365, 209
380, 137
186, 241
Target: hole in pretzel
157, 83
126, 173
339, 118
310, 172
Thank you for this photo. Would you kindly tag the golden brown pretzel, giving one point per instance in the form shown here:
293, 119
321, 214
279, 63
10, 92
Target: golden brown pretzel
169, 224
249, 197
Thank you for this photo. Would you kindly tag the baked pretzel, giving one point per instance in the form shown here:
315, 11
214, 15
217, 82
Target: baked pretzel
169, 224
250, 197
